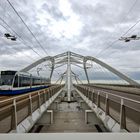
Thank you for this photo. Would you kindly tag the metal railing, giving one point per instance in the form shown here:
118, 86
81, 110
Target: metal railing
123, 103
16, 109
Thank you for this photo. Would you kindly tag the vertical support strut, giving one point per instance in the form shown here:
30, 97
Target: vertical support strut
69, 79
52, 68
84, 63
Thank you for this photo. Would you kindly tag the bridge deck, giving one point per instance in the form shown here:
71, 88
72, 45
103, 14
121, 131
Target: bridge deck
69, 118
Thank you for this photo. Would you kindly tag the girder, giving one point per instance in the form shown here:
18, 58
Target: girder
84, 64
52, 67
71, 58
113, 70
48, 58
69, 78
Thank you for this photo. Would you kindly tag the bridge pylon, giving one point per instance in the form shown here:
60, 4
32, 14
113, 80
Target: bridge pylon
69, 77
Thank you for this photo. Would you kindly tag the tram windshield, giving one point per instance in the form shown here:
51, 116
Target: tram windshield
7, 77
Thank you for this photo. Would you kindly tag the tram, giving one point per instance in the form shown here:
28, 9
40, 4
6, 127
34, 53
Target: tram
15, 82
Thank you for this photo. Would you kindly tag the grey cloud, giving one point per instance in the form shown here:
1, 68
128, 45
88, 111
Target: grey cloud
103, 22
53, 10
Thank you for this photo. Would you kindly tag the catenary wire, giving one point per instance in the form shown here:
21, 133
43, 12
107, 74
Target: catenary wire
27, 26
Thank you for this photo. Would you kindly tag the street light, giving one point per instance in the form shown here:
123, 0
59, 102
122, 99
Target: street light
127, 39
9, 36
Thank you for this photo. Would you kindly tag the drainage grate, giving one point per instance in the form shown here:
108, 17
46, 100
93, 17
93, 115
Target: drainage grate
66, 121
38, 129
98, 128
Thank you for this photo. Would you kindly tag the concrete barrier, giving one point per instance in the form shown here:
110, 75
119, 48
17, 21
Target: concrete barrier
108, 122
29, 122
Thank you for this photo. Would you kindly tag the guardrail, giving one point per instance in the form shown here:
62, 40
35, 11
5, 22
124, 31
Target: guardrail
124, 110
15, 110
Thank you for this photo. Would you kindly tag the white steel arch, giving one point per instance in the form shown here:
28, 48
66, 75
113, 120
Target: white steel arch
74, 59
113, 70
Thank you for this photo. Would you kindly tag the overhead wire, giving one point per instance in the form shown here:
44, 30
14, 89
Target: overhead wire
13, 55
18, 50
13, 21
131, 27
20, 39
27, 26
116, 40
131, 8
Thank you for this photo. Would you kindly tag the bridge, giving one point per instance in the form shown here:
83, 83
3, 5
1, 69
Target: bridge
68, 106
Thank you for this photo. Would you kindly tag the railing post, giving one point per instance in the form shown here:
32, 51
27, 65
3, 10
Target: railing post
93, 96
86, 92
48, 94
44, 96
83, 91
39, 102
106, 105
88, 95
14, 116
30, 105
98, 99
53, 90
122, 115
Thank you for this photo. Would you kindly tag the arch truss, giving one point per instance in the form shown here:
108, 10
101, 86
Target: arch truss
70, 58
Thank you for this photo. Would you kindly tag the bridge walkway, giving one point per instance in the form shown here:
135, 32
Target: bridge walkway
69, 118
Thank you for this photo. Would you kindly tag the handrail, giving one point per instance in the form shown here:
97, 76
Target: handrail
20, 96
123, 116
119, 96
15, 104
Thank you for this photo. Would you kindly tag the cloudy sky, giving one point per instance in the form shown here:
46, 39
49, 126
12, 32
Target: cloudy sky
87, 27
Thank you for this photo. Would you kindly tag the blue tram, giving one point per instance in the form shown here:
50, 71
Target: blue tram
14, 83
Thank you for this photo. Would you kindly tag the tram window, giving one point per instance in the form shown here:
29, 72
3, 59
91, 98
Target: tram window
24, 81
7, 79
0, 81
16, 81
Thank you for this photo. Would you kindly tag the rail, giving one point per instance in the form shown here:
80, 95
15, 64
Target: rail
14, 110
102, 99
